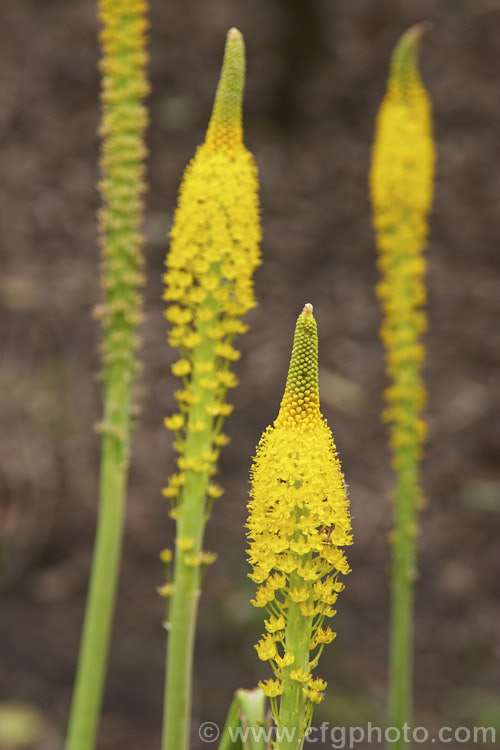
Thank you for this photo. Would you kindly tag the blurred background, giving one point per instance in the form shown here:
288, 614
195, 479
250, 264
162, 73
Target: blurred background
316, 75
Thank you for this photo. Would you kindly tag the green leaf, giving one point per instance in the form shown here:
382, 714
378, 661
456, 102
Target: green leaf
246, 716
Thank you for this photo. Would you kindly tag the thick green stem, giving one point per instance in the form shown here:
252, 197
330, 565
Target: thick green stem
402, 604
89, 684
293, 705
191, 523
182, 625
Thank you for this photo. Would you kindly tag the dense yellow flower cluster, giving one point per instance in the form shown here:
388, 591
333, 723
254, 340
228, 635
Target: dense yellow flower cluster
401, 189
213, 255
298, 520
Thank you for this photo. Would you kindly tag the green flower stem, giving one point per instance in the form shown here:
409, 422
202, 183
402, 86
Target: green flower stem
402, 601
89, 685
191, 522
123, 122
182, 626
293, 705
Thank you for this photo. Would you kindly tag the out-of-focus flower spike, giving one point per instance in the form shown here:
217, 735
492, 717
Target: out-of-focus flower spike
401, 182
404, 68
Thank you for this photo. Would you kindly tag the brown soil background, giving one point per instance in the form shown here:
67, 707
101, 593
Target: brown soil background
316, 75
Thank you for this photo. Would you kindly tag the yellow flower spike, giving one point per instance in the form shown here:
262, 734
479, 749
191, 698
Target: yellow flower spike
298, 518
213, 254
401, 182
217, 221
214, 251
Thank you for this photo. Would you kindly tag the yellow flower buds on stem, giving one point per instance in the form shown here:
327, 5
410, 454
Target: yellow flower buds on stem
298, 521
208, 285
124, 87
401, 190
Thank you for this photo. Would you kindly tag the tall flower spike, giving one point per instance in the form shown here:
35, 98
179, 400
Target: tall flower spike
298, 521
213, 254
401, 190
123, 65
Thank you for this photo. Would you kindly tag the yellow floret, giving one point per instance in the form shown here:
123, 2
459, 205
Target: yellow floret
271, 688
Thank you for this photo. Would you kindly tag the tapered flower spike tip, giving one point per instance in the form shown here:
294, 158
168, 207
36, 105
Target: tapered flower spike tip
225, 128
300, 403
404, 58
401, 177
308, 310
